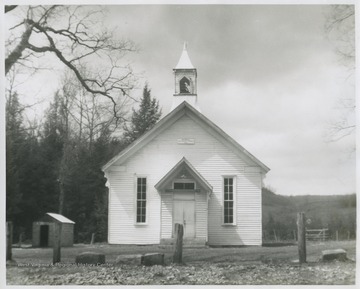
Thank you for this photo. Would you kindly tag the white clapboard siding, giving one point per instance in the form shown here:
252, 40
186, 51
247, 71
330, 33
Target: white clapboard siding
122, 226
201, 216
166, 215
213, 159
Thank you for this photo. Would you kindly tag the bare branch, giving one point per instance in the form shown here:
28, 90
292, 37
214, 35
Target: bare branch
9, 8
15, 55
73, 42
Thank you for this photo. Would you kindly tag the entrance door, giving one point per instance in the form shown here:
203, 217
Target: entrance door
44, 235
184, 213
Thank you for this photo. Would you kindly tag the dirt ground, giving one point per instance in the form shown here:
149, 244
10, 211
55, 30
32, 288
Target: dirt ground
202, 266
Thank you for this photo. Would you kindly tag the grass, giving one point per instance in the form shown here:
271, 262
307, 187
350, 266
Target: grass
190, 255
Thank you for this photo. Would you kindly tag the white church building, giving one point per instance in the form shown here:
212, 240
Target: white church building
185, 170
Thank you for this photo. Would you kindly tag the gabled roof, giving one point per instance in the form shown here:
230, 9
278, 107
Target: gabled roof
184, 61
60, 218
181, 165
172, 117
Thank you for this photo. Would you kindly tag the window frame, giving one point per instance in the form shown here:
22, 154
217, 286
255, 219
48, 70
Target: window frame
184, 181
234, 206
137, 177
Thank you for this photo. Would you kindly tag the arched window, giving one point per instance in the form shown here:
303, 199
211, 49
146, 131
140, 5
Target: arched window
185, 85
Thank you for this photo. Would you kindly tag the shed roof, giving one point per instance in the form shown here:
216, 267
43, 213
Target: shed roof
60, 218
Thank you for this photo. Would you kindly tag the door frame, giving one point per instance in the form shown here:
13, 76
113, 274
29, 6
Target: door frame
185, 197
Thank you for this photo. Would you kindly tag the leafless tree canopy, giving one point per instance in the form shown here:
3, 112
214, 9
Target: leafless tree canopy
340, 29
76, 36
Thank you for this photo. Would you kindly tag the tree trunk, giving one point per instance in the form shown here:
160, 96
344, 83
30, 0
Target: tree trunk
15, 55
9, 232
61, 197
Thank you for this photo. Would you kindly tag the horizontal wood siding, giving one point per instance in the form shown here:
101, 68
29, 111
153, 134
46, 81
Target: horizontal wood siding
122, 208
166, 215
201, 215
212, 158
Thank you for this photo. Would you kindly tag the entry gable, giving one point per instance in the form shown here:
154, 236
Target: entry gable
183, 170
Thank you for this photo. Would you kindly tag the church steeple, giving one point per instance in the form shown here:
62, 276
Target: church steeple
184, 61
185, 81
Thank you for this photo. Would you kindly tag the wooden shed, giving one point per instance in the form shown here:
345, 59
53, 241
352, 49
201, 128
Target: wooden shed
43, 231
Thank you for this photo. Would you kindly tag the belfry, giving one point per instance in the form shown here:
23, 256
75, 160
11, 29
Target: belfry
185, 81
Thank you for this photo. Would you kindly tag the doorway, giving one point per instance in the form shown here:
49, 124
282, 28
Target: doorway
44, 235
184, 213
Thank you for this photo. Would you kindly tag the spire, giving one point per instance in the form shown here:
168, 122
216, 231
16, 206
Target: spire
184, 61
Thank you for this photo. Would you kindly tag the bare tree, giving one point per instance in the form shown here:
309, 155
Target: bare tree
75, 36
84, 119
340, 29
89, 116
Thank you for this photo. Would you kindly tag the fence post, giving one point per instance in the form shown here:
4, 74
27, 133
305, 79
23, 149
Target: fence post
276, 239
92, 239
179, 232
20, 239
337, 235
57, 243
9, 233
301, 237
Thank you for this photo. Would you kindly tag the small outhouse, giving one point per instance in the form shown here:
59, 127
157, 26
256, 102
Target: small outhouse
43, 231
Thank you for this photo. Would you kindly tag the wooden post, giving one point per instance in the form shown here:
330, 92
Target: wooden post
301, 237
20, 239
337, 235
92, 239
179, 232
9, 233
57, 243
276, 239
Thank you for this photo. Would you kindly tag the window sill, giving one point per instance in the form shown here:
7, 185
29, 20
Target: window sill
229, 225
141, 224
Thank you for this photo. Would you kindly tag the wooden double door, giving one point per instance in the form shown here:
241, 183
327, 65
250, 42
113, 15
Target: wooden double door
184, 213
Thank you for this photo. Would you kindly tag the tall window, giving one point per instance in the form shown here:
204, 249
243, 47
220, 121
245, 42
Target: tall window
141, 200
228, 200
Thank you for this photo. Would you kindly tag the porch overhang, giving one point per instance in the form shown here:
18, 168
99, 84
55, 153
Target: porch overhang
185, 169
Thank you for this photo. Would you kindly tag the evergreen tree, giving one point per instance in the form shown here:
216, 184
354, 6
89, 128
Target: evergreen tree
144, 118
52, 147
15, 153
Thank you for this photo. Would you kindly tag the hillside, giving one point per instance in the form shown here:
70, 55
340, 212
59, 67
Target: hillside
337, 213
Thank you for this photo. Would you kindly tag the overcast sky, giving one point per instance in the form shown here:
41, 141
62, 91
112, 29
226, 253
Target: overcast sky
267, 75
